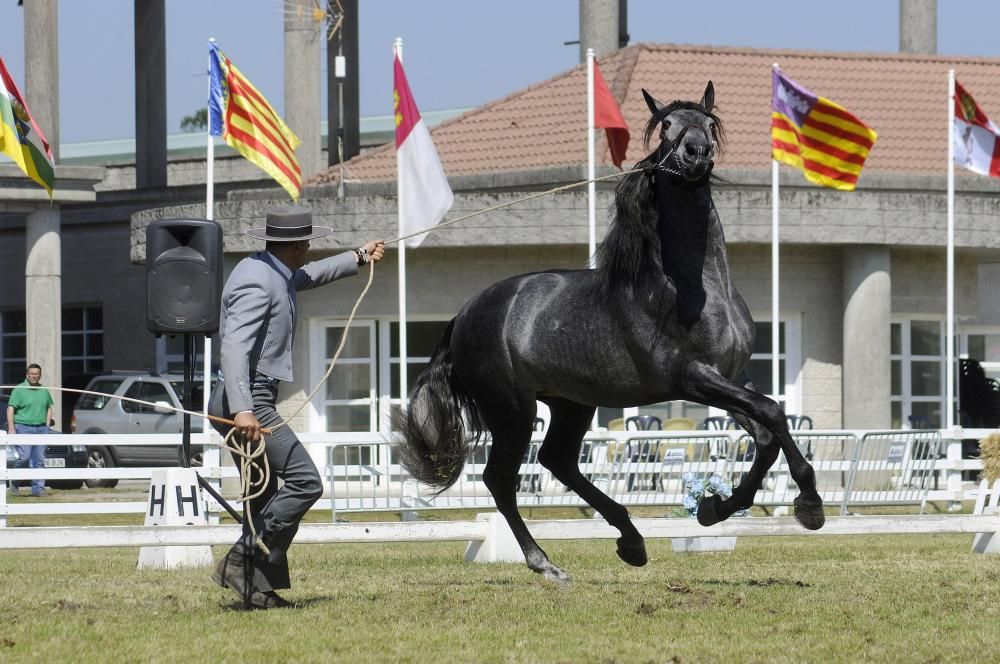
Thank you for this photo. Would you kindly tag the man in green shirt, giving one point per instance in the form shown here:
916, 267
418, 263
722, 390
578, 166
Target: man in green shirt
30, 411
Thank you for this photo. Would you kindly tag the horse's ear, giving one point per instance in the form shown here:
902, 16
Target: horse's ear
654, 106
708, 99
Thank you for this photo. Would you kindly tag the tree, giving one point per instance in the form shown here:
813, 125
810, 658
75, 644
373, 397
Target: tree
198, 121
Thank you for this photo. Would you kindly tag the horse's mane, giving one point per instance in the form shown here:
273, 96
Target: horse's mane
631, 247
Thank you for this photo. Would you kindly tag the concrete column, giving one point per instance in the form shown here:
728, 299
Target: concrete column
598, 27
918, 26
150, 94
41, 67
867, 312
302, 82
43, 297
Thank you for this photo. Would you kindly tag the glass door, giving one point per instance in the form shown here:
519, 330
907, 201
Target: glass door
347, 402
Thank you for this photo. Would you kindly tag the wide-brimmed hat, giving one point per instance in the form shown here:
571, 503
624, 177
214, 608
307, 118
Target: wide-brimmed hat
289, 224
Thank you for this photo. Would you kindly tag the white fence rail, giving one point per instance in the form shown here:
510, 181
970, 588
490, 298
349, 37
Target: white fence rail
636, 468
428, 531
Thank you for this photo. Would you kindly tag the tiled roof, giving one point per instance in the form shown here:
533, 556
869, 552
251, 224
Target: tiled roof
902, 96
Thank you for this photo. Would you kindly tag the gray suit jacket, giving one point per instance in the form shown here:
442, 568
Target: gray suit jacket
257, 324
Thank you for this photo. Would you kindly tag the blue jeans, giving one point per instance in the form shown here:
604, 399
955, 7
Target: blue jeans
32, 456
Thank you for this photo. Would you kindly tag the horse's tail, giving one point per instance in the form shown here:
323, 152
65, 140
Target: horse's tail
431, 437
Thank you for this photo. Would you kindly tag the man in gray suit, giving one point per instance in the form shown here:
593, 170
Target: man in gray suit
257, 327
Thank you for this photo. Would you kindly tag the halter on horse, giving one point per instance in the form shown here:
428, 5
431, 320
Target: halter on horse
659, 320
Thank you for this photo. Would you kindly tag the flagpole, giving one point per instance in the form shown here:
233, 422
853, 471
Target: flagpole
397, 49
950, 324
591, 191
210, 159
211, 452
775, 292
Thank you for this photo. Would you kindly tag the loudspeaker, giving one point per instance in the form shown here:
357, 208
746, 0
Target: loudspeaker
183, 276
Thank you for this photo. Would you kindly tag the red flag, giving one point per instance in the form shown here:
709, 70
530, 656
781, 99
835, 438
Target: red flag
608, 116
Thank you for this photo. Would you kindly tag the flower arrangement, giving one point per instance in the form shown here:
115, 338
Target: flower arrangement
696, 488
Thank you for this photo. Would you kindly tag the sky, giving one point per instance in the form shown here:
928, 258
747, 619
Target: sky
457, 53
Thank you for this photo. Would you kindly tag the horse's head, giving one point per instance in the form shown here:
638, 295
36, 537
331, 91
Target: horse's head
690, 135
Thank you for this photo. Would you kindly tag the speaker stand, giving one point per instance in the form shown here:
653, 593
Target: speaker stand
189, 350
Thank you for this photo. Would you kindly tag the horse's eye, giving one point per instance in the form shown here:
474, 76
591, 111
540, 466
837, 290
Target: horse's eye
664, 127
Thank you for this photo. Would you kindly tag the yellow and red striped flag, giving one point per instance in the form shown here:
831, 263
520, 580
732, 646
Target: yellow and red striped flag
816, 135
248, 124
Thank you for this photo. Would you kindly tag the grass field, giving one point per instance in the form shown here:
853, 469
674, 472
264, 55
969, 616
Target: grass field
842, 599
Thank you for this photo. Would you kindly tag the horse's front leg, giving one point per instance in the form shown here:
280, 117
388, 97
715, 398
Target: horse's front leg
714, 509
706, 385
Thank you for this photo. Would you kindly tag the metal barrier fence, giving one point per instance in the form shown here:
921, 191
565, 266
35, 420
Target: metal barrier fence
893, 468
645, 469
655, 468
634, 468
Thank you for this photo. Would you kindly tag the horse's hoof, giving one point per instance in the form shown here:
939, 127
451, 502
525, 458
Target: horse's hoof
633, 554
809, 513
556, 575
708, 511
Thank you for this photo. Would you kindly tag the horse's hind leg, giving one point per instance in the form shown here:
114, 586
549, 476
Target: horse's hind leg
706, 385
560, 453
511, 431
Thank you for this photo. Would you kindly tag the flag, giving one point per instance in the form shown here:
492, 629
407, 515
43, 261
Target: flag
244, 119
21, 139
974, 136
608, 116
424, 193
817, 135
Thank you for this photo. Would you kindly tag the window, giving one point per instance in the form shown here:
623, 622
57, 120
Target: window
348, 400
97, 402
363, 388
13, 347
82, 343
82, 340
760, 367
422, 337
983, 345
917, 373
145, 391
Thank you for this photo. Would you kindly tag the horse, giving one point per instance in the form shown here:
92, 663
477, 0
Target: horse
658, 320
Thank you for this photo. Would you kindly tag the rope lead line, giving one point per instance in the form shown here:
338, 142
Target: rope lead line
500, 206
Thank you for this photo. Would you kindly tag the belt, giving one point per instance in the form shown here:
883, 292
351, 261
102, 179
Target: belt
25, 424
259, 379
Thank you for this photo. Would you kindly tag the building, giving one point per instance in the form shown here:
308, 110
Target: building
863, 297
862, 276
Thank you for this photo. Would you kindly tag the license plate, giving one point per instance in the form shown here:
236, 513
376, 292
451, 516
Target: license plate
55, 463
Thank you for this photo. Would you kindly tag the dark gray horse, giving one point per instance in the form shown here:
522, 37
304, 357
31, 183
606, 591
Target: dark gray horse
658, 320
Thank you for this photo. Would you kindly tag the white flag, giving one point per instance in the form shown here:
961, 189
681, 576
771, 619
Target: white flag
424, 194
974, 136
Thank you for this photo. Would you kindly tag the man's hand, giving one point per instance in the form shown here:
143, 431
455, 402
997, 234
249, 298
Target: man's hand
375, 249
248, 426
